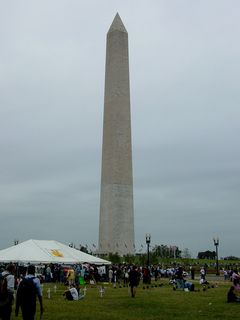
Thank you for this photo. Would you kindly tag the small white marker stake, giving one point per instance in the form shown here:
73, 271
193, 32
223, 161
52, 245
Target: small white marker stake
101, 291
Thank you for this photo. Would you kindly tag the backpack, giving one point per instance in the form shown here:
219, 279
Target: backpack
27, 292
4, 296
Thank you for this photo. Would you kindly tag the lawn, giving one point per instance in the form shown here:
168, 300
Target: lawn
152, 303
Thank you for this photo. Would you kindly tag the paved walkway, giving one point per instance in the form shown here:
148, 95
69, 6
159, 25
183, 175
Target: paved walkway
212, 277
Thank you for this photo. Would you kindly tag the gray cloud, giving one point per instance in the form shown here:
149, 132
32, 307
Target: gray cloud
184, 64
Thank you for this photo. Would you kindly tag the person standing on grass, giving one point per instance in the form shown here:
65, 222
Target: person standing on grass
134, 277
110, 275
28, 290
6, 292
192, 270
125, 277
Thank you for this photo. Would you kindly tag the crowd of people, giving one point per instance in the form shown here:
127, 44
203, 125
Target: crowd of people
26, 281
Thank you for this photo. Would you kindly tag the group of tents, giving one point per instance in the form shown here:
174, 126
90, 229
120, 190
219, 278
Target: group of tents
46, 252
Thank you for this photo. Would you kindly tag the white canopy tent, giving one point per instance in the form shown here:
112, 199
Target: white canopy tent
47, 251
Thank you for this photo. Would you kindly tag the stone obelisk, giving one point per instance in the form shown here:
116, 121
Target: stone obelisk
116, 227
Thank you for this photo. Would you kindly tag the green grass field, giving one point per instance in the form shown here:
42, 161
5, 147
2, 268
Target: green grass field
153, 303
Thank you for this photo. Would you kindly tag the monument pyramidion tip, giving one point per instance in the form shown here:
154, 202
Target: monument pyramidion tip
117, 24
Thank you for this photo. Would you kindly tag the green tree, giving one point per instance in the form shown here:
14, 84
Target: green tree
114, 258
129, 259
207, 255
164, 251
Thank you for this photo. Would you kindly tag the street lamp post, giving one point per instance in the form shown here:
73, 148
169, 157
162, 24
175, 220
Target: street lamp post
148, 240
216, 243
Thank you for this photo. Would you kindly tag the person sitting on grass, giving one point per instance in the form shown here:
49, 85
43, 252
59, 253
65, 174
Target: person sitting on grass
179, 278
203, 281
235, 276
188, 285
71, 293
231, 296
236, 284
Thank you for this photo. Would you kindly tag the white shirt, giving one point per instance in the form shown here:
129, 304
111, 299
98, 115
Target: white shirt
74, 293
202, 271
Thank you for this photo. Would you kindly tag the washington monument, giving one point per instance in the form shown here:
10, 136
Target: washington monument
116, 227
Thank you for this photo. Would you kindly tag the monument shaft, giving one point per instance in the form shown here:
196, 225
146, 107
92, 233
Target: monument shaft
116, 228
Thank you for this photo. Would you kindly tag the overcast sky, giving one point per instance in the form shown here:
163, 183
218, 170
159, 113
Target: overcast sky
184, 77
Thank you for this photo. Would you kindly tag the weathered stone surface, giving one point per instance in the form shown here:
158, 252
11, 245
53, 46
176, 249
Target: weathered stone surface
116, 227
